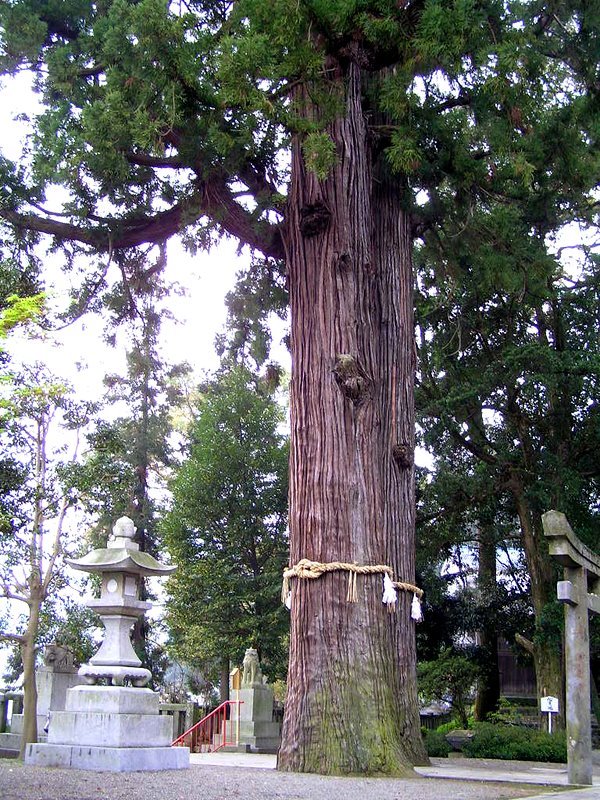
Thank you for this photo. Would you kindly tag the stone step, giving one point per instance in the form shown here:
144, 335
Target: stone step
107, 759
235, 748
10, 743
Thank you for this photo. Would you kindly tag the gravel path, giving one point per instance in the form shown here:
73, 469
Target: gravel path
23, 782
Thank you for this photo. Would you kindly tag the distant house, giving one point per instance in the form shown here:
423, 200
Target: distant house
517, 679
434, 715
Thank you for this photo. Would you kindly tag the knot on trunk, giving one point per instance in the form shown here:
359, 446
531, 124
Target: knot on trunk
342, 262
353, 381
402, 455
314, 219
357, 53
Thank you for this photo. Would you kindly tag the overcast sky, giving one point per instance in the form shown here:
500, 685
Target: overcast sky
198, 315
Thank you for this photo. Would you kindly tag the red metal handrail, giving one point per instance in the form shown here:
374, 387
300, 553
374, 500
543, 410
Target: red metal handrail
212, 732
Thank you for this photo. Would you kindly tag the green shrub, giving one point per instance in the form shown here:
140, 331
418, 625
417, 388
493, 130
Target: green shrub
446, 727
451, 677
512, 742
525, 712
436, 744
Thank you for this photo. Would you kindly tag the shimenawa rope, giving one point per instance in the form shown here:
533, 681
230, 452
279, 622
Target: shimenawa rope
311, 570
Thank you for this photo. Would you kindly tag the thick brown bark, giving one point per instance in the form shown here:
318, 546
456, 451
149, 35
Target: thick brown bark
351, 704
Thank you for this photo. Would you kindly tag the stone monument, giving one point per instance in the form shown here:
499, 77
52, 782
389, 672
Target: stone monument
257, 731
112, 723
52, 681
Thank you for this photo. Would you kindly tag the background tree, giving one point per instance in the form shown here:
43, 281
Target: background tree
259, 294
227, 530
477, 587
63, 621
509, 376
161, 117
33, 537
124, 472
449, 679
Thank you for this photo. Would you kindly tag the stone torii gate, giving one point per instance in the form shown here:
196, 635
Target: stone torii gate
580, 593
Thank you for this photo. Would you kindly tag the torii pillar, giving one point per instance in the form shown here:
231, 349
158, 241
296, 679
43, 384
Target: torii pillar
579, 593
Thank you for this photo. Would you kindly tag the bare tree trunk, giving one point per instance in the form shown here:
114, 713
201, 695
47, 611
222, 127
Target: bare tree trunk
36, 590
351, 705
224, 683
30, 731
488, 689
547, 654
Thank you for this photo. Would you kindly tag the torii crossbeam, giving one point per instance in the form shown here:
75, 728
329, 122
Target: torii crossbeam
579, 592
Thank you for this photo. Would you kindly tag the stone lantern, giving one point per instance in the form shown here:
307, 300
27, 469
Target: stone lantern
122, 567
116, 726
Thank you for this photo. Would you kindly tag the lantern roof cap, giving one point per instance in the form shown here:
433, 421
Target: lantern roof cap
121, 555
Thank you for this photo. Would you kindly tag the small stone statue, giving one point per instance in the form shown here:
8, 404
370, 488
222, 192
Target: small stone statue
252, 675
58, 657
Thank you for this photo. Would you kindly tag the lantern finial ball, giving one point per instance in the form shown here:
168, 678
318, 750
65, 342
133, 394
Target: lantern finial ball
124, 528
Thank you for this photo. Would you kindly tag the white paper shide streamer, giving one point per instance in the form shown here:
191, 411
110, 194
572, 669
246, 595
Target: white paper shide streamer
416, 612
389, 592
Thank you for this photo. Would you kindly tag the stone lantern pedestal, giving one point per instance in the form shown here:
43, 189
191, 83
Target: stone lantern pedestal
112, 723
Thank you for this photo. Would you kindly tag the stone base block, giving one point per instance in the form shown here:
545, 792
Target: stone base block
260, 737
260, 730
108, 759
94, 728
235, 748
10, 744
257, 704
264, 745
16, 724
112, 700
52, 689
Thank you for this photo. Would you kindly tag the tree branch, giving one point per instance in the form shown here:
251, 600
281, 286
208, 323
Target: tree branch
11, 637
237, 221
62, 230
463, 99
91, 72
145, 160
213, 199
526, 644
8, 594
474, 449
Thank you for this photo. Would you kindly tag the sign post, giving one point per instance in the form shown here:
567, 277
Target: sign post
549, 705
236, 684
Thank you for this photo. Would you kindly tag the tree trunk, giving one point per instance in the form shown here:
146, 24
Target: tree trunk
224, 682
488, 688
30, 731
140, 502
351, 705
547, 652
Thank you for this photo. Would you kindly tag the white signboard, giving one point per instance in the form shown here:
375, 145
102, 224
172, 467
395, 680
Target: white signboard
549, 704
